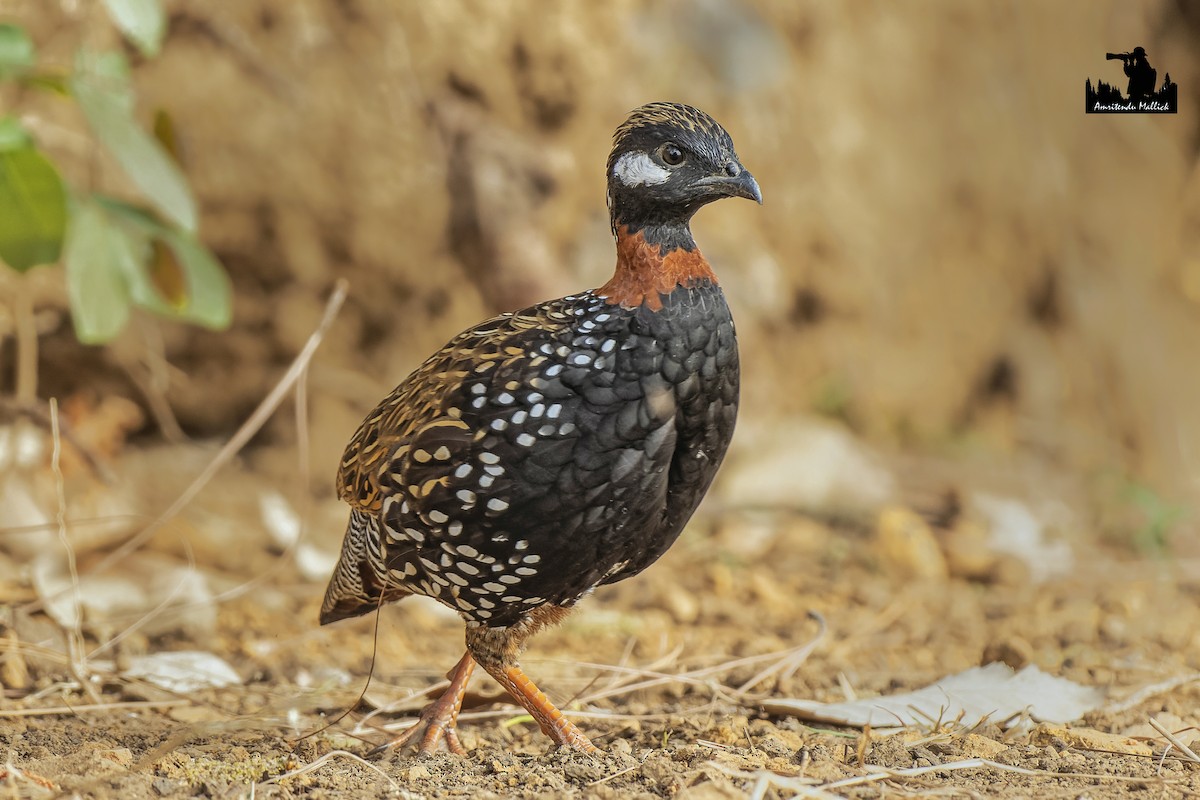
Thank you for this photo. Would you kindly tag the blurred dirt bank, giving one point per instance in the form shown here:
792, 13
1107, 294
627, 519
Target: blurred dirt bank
951, 255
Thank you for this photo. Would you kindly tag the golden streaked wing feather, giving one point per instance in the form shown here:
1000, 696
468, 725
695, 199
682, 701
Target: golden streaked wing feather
430, 396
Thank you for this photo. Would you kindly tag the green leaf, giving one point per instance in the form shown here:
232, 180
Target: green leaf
142, 21
16, 50
47, 81
182, 279
13, 135
209, 294
33, 209
105, 100
98, 256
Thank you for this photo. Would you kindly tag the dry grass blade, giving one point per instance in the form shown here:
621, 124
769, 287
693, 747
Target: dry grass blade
779, 660
248, 429
82, 709
323, 760
1175, 741
806, 787
74, 635
786, 666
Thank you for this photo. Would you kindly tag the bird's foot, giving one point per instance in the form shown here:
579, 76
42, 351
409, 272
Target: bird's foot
552, 721
437, 723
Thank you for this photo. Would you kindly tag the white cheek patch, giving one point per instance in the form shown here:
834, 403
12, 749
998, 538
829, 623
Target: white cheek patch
638, 169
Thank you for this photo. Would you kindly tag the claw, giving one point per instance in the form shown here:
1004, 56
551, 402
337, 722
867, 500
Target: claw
437, 721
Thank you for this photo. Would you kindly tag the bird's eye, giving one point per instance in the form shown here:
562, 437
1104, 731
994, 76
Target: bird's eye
671, 154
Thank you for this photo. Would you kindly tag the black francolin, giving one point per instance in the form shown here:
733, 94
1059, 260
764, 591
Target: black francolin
550, 450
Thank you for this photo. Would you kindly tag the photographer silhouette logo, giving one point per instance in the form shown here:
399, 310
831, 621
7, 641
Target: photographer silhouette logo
1142, 96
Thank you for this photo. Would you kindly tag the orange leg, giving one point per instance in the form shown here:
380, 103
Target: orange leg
551, 720
437, 721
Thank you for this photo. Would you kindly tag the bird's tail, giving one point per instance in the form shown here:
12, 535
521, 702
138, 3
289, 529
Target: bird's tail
359, 584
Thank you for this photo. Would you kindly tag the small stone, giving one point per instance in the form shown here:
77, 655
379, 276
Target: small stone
905, 543
165, 786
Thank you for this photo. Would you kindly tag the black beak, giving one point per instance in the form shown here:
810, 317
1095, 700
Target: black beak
740, 185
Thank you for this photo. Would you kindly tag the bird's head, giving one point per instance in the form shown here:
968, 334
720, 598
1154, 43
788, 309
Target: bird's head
667, 161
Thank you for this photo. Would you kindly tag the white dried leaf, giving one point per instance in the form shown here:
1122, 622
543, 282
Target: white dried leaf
992, 692
183, 671
279, 518
1015, 530
315, 564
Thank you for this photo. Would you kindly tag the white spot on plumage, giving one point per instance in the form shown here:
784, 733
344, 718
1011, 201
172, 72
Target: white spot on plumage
467, 550
518, 417
534, 397
479, 388
553, 370
567, 428
608, 346
489, 458
479, 402
531, 559
466, 496
496, 504
522, 544
499, 424
456, 578
526, 571
639, 169
504, 399
553, 411
537, 410
492, 586
509, 579
581, 359
525, 440
463, 470
470, 569
454, 528
438, 516
546, 430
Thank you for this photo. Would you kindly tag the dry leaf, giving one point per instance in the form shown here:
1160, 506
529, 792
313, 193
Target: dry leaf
993, 692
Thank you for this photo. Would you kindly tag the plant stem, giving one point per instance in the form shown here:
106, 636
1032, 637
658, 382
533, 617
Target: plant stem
27, 341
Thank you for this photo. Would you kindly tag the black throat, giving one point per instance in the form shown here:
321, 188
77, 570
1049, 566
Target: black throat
670, 229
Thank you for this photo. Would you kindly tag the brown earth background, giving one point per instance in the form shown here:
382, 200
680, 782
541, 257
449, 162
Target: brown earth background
959, 283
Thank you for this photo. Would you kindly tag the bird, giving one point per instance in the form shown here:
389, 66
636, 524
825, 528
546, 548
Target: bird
553, 449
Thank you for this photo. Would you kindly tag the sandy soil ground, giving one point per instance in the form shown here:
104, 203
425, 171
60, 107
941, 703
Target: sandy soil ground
651, 669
